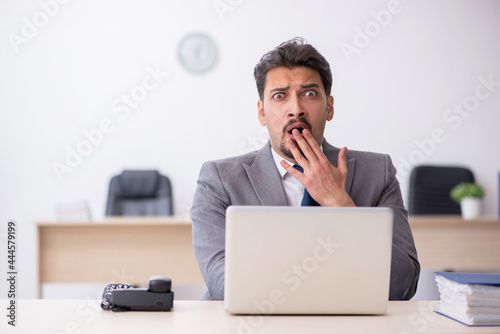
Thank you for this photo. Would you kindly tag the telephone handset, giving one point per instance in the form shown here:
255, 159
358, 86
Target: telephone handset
157, 297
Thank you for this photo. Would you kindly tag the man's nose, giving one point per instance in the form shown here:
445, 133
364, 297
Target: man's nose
295, 109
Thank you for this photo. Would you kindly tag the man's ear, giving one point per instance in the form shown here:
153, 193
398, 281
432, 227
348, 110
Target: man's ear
330, 111
260, 108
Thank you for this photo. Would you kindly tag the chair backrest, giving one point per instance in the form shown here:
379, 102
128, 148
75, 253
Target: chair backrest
430, 188
139, 193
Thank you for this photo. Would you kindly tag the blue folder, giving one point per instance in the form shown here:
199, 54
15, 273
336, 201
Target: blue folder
492, 280
468, 278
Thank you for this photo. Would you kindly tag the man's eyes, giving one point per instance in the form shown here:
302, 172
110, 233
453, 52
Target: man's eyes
309, 93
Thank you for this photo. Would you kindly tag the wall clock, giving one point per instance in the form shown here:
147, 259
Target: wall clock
197, 52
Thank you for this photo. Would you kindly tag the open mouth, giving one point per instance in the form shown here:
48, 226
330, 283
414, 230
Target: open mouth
300, 126
300, 130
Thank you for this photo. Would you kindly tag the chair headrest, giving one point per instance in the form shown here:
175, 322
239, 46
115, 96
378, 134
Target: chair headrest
139, 183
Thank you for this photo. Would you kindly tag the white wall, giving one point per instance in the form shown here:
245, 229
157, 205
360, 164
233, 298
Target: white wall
395, 91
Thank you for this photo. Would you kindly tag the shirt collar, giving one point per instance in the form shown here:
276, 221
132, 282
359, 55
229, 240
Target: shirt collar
277, 160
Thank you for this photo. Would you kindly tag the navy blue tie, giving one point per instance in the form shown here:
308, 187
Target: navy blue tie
307, 200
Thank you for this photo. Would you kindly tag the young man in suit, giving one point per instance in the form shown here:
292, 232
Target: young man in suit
294, 83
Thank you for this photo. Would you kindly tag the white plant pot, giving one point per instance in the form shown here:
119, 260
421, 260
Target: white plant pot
471, 208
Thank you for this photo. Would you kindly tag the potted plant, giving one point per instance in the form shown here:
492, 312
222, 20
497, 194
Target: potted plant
469, 196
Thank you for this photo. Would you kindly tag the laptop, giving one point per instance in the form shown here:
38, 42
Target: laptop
307, 260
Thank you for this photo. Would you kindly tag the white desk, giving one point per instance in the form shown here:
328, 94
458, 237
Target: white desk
80, 316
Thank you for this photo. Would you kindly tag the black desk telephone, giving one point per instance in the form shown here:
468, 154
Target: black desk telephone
123, 297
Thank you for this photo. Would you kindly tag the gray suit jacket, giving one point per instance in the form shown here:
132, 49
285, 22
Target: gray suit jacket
253, 179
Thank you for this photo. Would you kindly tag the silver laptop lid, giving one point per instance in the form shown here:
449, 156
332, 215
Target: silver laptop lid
307, 260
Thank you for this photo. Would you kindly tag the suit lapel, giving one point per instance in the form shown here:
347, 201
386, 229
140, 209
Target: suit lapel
332, 153
265, 178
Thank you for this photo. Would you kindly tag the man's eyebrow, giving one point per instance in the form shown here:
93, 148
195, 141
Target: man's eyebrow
287, 87
310, 86
278, 89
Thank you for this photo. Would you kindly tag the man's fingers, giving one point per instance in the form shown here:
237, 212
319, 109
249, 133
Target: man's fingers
291, 170
342, 160
304, 144
297, 154
314, 146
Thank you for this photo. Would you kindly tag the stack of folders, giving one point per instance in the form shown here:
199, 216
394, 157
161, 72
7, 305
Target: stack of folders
472, 299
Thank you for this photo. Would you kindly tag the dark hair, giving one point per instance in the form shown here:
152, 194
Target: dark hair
290, 54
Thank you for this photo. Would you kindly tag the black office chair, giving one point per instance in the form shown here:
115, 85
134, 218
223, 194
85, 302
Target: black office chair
139, 193
430, 188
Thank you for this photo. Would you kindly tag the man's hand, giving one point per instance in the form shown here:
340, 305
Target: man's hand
324, 182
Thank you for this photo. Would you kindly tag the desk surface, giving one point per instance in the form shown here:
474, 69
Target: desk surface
414, 220
80, 316
121, 221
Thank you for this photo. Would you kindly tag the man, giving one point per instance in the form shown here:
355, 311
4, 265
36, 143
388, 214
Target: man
294, 83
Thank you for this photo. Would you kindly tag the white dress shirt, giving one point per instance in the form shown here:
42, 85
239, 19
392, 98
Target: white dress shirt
294, 190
